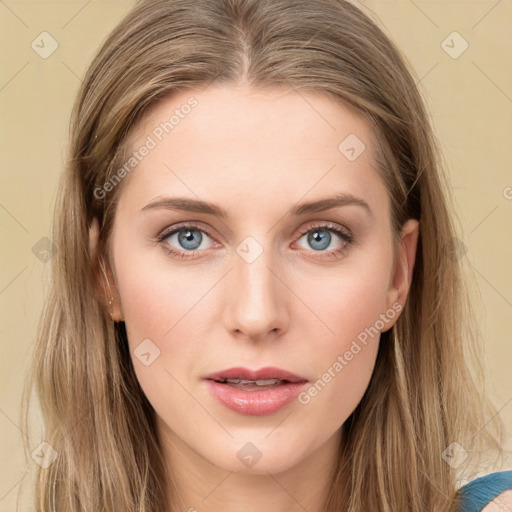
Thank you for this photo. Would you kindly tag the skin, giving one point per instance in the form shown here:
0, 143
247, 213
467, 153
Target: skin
257, 154
502, 503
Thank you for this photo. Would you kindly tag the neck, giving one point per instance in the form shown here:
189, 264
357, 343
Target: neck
200, 486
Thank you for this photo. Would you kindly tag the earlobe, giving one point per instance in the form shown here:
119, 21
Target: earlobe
107, 294
410, 235
94, 233
402, 276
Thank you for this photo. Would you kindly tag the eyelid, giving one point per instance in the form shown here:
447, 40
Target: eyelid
340, 231
196, 225
328, 226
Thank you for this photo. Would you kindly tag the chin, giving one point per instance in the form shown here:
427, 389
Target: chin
274, 464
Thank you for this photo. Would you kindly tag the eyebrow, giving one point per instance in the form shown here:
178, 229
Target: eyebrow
197, 206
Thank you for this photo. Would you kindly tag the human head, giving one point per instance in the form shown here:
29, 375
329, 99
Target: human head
309, 47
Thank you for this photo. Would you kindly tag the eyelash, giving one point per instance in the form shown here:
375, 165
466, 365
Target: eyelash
345, 236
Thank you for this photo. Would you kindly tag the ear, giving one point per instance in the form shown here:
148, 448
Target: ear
402, 273
104, 280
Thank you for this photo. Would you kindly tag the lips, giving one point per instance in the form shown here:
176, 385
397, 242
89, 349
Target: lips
268, 373
255, 392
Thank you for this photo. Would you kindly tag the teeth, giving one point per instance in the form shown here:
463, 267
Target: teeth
257, 382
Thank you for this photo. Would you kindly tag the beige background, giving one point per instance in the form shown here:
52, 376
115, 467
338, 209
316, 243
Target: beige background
470, 99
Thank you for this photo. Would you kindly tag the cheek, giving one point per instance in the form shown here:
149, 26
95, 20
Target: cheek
169, 308
162, 309
332, 398
352, 305
155, 296
344, 361
347, 300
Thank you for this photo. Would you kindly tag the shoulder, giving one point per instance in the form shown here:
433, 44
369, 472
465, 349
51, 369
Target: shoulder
502, 503
490, 493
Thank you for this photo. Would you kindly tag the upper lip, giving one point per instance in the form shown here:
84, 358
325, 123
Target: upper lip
268, 372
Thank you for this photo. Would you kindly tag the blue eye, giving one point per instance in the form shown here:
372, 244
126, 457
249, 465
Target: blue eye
188, 239
320, 237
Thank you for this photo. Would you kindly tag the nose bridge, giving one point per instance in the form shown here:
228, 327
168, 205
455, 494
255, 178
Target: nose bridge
257, 304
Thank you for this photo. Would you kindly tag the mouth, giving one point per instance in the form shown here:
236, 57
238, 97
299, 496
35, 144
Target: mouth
252, 385
255, 392
264, 377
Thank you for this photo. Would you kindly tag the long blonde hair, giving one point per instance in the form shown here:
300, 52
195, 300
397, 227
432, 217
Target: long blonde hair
425, 392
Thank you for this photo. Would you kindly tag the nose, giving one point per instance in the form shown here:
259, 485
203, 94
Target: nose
257, 304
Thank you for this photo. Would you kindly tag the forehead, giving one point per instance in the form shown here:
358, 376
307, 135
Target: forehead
229, 143
280, 114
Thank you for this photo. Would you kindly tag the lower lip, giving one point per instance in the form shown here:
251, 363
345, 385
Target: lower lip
255, 403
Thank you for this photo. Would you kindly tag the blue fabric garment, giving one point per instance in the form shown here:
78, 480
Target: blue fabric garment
480, 492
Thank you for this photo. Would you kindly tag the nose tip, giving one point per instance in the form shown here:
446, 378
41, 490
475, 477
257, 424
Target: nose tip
257, 305
254, 332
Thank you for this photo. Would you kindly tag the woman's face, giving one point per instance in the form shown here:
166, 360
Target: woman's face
296, 274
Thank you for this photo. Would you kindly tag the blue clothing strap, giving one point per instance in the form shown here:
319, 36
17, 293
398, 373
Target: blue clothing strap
480, 492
